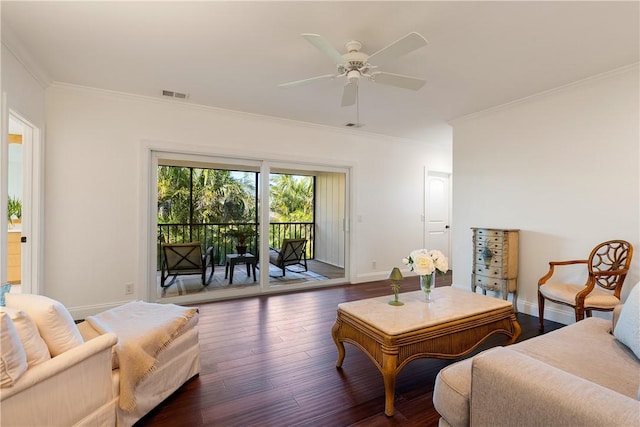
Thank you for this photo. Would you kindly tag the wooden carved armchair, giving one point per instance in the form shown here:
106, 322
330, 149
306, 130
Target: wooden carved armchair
293, 251
185, 259
607, 267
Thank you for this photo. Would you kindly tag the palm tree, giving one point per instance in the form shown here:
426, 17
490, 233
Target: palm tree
173, 195
291, 198
225, 198
216, 196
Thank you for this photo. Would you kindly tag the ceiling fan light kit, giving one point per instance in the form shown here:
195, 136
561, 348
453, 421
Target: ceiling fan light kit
355, 64
353, 76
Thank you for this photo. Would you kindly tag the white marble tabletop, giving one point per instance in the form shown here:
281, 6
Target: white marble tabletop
447, 304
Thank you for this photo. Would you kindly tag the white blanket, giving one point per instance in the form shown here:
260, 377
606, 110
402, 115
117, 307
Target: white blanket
143, 330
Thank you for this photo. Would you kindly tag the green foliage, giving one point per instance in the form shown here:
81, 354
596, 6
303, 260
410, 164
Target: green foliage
222, 196
14, 208
291, 198
218, 196
240, 233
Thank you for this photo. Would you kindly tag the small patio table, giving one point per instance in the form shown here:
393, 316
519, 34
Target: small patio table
235, 259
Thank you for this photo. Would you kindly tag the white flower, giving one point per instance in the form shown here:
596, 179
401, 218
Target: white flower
442, 264
425, 262
435, 254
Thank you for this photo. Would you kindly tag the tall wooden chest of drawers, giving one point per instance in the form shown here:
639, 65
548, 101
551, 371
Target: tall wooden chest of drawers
495, 261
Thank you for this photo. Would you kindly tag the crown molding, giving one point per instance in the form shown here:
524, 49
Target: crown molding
24, 57
559, 89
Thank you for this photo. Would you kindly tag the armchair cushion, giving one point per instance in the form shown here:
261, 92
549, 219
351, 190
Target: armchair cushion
627, 328
54, 322
13, 360
34, 346
567, 294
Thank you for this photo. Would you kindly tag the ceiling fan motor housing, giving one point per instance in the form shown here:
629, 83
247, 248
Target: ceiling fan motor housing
355, 64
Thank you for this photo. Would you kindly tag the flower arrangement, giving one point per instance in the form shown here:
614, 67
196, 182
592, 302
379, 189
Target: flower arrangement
425, 262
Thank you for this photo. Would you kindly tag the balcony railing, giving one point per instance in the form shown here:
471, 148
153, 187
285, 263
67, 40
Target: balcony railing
216, 235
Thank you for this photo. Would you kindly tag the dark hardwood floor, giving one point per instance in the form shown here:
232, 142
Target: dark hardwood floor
270, 361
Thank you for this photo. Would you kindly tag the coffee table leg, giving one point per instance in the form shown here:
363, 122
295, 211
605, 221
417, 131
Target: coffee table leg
516, 329
334, 333
389, 365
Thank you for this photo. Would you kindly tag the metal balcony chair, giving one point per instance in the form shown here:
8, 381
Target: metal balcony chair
185, 259
607, 267
293, 252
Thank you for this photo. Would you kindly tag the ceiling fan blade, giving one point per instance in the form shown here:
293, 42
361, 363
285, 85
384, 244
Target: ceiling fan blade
306, 81
408, 43
398, 80
325, 47
349, 94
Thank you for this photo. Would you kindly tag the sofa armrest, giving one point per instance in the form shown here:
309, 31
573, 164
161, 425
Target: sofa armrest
511, 388
87, 331
64, 389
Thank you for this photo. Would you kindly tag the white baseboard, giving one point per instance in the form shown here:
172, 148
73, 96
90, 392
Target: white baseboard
82, 312
371, 277
566, 317
552, 312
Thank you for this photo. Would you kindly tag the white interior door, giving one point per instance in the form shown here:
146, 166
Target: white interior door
437, 209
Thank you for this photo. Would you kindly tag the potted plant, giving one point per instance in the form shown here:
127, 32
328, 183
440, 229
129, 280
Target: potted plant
241, 234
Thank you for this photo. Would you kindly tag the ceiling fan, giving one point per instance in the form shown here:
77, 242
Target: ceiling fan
355, 65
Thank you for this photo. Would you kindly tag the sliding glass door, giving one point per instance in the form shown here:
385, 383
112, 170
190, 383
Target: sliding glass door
306, 233
214, 206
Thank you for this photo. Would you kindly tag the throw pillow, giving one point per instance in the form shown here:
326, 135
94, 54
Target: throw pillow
4, 289
34, 346
627, 329
54, 322
13, 360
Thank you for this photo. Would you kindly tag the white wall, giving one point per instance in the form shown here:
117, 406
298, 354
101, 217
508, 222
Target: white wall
563, 167
93, 174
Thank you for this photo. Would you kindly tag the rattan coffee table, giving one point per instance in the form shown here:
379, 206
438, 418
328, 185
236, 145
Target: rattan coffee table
453, 324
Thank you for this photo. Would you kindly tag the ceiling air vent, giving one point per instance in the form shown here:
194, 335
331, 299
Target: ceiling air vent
172, 94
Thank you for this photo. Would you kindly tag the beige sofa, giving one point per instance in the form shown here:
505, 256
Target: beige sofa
578, 375
55, 373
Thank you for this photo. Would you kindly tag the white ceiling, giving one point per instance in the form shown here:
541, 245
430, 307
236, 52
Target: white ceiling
233, 55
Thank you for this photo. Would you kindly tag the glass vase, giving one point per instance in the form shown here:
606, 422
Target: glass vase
427, 282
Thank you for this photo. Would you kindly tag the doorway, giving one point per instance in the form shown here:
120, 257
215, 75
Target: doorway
437, 212
21, 191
